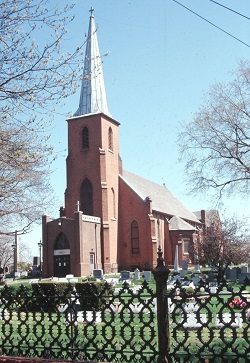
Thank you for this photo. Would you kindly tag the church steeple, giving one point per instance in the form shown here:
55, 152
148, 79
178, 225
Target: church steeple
93, 95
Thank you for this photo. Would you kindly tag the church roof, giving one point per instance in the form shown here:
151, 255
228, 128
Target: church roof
93, 95
179, 224
162, 199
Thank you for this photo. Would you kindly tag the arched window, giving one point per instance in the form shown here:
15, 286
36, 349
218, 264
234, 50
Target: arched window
62, 242
135, 250
110, 139
85, 138
87, 197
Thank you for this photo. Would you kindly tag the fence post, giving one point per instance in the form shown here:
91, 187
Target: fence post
161, 273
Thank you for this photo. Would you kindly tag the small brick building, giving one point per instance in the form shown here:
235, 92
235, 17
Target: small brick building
112, 219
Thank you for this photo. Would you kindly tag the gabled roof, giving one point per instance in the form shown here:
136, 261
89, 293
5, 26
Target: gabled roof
178, 224
162, 199
93, 95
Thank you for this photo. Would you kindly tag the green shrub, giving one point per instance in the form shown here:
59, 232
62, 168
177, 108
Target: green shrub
93, 295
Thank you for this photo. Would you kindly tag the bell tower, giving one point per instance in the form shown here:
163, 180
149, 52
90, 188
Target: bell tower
93, 154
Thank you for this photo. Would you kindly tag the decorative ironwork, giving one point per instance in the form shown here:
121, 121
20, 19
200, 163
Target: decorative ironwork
119, 326
202, 324
206, 326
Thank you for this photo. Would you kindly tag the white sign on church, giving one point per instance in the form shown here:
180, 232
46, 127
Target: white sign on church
91, 219
62, 252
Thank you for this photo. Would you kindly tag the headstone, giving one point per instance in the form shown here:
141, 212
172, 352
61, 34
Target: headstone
244, 269
176, 264
242, 277
193, 321
98, 274
238, 271
136, 274
184, 265
147, 275
17, 274
228, 273
196, 280
234, 274
248, 268
124, 275
228, 319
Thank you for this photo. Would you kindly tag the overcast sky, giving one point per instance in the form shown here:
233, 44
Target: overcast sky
162, 59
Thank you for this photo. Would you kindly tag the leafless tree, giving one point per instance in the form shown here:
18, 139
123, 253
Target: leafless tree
224, 244
6, 252
215, 145
36, 74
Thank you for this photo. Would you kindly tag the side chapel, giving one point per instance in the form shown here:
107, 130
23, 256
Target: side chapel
112, 219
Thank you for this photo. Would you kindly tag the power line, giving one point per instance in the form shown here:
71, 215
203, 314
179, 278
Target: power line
236, 12
224, 31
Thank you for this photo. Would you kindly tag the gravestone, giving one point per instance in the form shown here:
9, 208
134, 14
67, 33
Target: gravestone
243, 269
184, 265
234, 274
147, 275
228, 273
238, 271
98, 274
195, 280
137, 274
124, 275
248, 268
242, 277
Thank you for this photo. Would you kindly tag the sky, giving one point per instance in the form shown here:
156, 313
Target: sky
161, 61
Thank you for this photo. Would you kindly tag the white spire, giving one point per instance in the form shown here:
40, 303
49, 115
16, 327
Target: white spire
93, 95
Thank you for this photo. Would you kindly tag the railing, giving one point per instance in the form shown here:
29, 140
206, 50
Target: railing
209, 325
65, 327
129, 324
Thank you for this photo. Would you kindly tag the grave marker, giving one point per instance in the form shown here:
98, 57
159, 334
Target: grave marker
98, 274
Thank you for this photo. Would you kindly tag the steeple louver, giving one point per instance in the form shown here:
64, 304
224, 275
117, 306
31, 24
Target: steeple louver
93, 95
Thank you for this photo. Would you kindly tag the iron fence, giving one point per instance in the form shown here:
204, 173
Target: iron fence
120, 328
209, 324
129, 324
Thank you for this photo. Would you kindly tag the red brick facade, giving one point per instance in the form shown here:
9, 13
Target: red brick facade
115, 203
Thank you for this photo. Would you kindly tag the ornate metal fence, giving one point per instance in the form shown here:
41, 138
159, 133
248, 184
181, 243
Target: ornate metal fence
206, 324
209, 324
119, 327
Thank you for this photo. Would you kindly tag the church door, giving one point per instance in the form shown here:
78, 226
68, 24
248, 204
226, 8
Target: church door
61, 256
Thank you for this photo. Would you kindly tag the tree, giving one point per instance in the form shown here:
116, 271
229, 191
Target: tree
224, 244
6, 253
215, 145
35, 76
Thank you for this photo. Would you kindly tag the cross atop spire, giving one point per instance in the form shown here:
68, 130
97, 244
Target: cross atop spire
93, 95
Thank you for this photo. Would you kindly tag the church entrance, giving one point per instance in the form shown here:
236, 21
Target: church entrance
61, 256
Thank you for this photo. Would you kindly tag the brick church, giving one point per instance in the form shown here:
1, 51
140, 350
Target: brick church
112, 219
